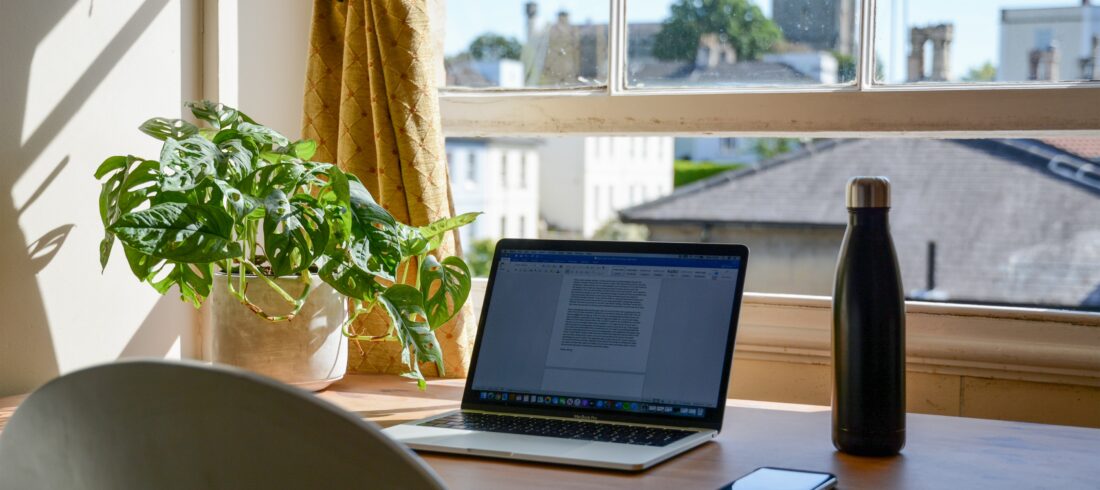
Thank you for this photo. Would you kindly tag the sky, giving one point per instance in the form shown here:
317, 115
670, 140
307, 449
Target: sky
977, 23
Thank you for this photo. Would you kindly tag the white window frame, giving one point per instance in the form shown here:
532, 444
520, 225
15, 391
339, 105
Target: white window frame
1030, 344
865, 108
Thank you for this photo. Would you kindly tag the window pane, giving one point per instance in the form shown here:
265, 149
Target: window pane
516, 43
986, 41
958, 237
691, 43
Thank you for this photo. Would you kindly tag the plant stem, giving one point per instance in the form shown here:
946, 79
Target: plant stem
256, 270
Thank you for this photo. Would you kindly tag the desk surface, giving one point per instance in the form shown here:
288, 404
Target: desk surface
941, 452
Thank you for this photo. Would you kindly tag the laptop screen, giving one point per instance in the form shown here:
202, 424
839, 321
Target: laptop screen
628, 333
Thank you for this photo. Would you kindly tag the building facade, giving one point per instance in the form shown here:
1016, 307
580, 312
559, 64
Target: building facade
498, 177
1058, 43
824, 25
585, 181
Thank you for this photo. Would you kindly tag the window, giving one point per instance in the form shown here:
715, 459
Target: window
839, 71
471, 167
523, 164
504, 160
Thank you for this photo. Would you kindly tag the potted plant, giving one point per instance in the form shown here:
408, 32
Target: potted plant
288, 250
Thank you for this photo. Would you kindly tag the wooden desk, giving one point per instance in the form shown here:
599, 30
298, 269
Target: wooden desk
942, 452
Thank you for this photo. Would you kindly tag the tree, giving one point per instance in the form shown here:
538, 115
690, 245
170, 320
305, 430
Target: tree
480, 257
985, 72
491, 46
738, 22
846, 67
768, 148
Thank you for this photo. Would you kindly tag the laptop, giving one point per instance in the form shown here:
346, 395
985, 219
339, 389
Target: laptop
606, 354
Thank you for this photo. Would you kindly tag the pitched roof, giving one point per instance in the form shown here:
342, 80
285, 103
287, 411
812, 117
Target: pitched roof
1080, 146
677, 73
1007, 229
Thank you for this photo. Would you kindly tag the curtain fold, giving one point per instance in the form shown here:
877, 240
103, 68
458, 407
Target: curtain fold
371, 105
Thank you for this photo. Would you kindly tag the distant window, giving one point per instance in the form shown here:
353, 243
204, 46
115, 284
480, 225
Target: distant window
503, 226
504, 171
727, 145
523, 171
522, 226
471, 167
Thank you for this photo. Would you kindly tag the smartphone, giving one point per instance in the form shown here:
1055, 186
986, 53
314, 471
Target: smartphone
768, 478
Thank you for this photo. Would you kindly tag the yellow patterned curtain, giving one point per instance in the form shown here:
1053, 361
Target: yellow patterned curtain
371, 104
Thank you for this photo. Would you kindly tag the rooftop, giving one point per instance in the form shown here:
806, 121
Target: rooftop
1007, 229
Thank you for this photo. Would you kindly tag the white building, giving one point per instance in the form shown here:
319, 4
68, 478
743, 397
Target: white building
500, 178
1067, 34
585, 181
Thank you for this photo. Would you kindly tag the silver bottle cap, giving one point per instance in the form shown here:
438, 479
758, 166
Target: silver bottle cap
868, 192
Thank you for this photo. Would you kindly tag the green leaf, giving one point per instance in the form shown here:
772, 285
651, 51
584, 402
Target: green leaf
162, 128
194, 233
412, 242
266, 179
109, 165
193, 280
304, 149
295, 233
185, 164
236, 161
405, 306
339, 185
219, 115
240, 206
350, 280
442, 226
376, 238
445, 287
123, 191
262, 135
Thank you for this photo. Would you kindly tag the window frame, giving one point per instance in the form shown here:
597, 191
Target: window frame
865, 109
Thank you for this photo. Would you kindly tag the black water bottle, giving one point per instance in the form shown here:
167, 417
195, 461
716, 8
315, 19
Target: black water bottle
868, 328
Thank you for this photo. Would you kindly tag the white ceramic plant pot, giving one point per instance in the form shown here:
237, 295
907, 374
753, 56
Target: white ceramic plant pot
308, 351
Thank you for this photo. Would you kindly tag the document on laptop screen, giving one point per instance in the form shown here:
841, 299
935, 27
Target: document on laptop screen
644, 327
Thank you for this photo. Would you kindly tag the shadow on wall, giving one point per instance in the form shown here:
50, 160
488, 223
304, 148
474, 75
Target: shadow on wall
152, 339
27, 354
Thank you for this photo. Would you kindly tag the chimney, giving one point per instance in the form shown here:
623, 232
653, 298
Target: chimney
713, 51
917, 38
532, 12
563, 18
1089, 61
1043, 63
941, 37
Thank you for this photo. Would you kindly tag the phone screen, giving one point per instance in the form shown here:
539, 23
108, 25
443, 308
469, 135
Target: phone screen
782, 479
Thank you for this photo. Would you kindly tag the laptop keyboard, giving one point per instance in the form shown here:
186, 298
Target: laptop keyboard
565, 429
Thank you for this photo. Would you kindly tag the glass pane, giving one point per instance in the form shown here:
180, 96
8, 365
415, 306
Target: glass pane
957, 237
986, 41
516, 44
708, 43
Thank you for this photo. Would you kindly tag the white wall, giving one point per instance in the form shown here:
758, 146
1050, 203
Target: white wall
561, 181
587, 180
515, 200
78, 77
1072, 28
273, 44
